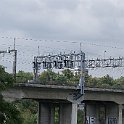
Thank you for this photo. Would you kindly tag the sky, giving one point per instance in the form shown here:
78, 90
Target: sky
60, 26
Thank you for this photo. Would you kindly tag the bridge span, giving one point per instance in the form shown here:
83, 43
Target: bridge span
102, 106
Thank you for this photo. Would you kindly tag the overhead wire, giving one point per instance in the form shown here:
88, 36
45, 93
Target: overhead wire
59, 41
68, 41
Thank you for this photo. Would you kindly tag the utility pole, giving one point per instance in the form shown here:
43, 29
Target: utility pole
36, 68
82, 77
15, 59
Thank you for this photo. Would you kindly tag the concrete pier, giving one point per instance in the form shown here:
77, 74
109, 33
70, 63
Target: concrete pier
67, 113
45, 113
120, 118
104, 113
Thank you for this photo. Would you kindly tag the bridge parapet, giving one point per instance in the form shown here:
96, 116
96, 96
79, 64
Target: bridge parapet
102, 94
62, 92
42, 92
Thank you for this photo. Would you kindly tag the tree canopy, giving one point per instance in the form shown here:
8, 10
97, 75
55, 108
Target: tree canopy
9, 114
23, 77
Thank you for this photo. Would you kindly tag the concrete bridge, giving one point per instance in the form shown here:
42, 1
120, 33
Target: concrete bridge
102, 106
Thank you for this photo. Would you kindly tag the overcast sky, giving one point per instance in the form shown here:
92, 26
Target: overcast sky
97, 24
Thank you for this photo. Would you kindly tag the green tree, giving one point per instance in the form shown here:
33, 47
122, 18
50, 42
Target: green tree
60, 79
91, 82
119, 83
47, 77
28, 109
23, 77
106, 82
68, 73
6, 80
9, 114
80, 117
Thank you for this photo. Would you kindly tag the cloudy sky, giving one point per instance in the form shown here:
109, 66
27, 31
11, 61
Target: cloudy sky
97, 24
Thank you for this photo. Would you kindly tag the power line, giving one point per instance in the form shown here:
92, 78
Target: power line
65, 41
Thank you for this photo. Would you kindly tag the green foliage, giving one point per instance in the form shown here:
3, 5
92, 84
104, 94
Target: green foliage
47, 77
29, 118
9, 114
106, 80
23, 77
91, 82
68, 74
80, 117
60, 79
28, 109
27, 104
6, 79
103, 82
56, 115
68, 78
65, 78
119, 83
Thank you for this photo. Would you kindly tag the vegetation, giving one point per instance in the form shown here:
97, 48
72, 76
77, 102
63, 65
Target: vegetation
80, 117
9, 114
28, 109
68, 78
65, 78
23, 77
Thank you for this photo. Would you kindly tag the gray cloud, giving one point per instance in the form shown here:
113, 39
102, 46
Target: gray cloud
90, 21
81, 19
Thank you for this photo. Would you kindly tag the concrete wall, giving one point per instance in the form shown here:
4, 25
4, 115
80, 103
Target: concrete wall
112, 112
91, 113
103, 113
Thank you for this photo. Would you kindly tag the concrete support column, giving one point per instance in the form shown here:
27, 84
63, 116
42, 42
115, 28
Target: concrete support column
74, 114
45, 113
120, 114
68, 113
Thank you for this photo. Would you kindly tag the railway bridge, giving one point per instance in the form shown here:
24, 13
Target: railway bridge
101, 106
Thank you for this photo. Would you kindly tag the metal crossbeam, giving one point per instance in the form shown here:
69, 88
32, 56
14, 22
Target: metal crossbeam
103, 63
74, 60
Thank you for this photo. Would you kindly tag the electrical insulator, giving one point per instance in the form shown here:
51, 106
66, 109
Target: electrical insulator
44, 65
34, 65
55, 64
65, 63
71, 64
49, 65
60, 65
